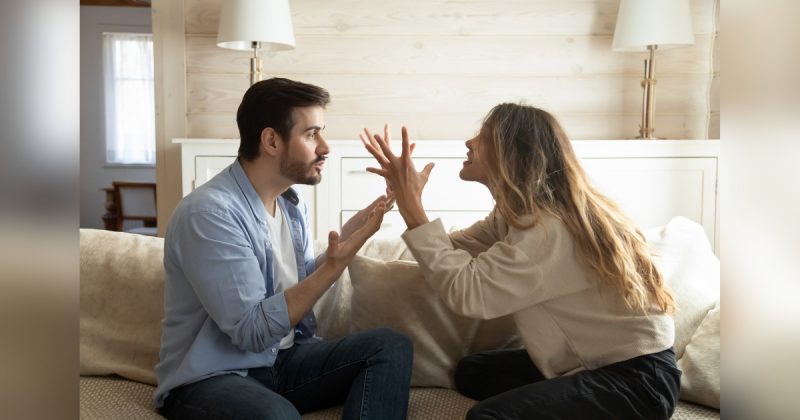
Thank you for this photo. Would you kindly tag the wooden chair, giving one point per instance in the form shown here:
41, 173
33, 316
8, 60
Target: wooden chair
136, 201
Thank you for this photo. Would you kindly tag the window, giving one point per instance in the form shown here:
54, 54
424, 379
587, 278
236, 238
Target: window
130, 98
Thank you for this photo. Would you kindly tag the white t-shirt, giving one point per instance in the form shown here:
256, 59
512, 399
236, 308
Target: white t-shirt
283, 259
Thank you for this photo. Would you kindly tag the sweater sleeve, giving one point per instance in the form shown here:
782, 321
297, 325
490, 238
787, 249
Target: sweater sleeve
478, 237
523, 269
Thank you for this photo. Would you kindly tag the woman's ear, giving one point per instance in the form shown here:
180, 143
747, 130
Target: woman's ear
270, 143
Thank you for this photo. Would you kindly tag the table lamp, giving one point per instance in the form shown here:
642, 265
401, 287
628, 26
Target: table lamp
247, 25
648, 25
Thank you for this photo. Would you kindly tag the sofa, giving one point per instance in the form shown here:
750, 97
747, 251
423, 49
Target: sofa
121, 295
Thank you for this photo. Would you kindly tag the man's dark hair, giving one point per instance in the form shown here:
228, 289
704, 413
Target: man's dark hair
271, 103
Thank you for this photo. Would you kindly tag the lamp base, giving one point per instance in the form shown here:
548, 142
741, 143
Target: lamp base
646, 134
255, 64
646, 129
255, 70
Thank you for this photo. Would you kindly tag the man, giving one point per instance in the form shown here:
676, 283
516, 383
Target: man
241, 280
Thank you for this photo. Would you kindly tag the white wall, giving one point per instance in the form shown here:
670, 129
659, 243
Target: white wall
95, 174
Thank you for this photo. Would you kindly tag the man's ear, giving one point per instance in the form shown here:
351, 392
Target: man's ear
270, 141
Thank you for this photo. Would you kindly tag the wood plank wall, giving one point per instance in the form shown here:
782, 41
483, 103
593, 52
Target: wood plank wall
714, 122
439, 65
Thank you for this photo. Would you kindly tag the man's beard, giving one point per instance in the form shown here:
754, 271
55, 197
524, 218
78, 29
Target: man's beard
300, 172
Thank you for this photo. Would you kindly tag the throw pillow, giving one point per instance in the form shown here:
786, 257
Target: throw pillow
333, 308
700, 363
395, 294
683, 255
122, 304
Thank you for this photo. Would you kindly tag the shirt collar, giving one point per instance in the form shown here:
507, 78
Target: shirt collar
250, 194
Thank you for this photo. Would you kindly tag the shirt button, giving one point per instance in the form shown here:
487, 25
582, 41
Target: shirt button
274, 350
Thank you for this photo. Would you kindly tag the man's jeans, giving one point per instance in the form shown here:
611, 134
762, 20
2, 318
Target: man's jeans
369, 372
509, 386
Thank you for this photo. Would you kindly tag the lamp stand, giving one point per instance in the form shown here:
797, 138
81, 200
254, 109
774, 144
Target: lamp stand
646, 128
255, 64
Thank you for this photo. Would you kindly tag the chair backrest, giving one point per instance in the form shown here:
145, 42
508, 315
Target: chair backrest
135, 201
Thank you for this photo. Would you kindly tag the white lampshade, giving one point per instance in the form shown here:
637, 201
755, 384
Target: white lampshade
665, 23
243, 22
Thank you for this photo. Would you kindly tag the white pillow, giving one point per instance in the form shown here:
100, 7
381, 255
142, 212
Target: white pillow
700, 363
690, 268
395, 294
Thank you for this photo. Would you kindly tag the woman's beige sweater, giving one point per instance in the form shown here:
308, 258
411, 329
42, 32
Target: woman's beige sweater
567, 320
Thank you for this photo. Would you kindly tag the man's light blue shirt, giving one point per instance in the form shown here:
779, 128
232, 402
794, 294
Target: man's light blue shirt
221, 314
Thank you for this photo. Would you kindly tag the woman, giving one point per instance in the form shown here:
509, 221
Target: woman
591, 308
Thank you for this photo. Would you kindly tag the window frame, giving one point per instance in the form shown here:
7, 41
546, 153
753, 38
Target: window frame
106, 86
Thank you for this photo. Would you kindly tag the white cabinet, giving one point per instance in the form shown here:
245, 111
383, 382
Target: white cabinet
654, 190
651, 180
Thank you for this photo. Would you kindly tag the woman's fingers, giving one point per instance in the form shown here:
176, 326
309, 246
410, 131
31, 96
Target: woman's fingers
374, 151
406, 153
370, 137
382, 172
379, 147
387, 134
384, 145
427, 169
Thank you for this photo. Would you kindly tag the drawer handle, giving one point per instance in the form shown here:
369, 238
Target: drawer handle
357, 172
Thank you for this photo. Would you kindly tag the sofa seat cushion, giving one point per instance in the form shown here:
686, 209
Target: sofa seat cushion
424, 403
121, 399
107, 397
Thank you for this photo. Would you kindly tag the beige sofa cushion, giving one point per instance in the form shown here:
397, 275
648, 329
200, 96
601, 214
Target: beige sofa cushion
395, 294
122, 289
333, 308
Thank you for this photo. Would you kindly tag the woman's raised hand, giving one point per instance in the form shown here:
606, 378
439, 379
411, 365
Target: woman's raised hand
402, 178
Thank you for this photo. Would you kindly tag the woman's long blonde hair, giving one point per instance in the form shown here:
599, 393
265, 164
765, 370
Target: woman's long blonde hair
532, 169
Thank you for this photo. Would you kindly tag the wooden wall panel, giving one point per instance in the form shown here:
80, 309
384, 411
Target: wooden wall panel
403, 94
449, 55
714, 97
444, 17
170, 98
447, 126
440, 65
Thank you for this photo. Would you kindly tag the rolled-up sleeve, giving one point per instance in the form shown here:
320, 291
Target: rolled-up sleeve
221, 266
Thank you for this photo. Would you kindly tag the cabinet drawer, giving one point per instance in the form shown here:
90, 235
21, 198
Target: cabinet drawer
445, 190
393, 225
